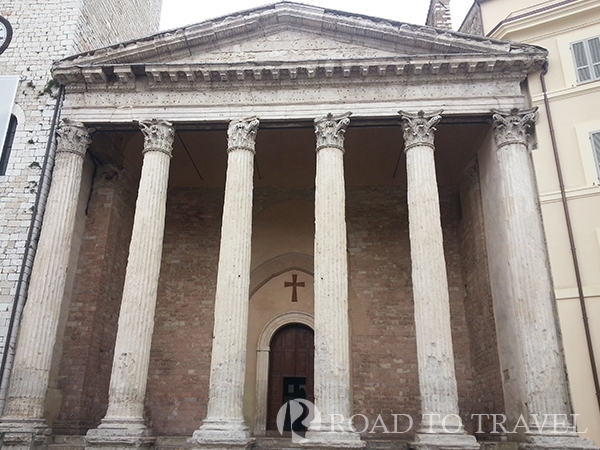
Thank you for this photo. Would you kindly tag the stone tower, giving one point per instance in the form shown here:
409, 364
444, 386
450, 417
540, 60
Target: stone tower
439, 14
43, 32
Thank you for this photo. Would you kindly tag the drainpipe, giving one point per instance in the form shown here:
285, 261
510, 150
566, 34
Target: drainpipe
563, 195
29, 252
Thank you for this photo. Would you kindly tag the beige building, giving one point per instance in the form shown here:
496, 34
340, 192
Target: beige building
568, 181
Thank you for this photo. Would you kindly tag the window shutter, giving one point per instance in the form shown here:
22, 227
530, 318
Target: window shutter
581, 62
594, 46
595, 138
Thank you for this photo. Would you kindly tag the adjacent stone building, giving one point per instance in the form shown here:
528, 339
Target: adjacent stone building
293, 203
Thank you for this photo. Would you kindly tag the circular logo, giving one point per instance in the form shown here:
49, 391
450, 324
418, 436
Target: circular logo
296, 416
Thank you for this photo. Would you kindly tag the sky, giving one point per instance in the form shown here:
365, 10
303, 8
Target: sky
178, 13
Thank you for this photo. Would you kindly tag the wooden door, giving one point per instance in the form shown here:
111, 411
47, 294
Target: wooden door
291, 368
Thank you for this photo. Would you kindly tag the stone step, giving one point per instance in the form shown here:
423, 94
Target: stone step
261, 443
67, 443
499, 446
278, 443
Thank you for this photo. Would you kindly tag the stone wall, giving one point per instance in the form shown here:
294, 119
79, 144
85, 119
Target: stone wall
106, 22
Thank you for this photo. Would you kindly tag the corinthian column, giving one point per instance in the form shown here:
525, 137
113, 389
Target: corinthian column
332, 347
541, 373
224, 423
24, 410
441, 425
123, 424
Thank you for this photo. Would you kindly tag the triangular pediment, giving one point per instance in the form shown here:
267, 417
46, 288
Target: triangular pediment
288, 45
287, 37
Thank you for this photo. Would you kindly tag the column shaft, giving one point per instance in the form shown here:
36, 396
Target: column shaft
441, 426
538, 340
24, 410
437, 380
224, 422
332, 346
124, 423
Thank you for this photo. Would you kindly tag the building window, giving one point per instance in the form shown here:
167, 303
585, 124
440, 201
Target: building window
595, 138
586, 55
8, 141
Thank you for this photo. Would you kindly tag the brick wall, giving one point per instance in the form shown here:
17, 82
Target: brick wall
384, 359
181, 346
89, 339
487, 395
384, 362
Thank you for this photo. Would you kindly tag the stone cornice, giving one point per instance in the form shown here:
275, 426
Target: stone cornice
125, 76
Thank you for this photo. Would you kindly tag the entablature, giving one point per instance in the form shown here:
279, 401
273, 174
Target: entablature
181, 75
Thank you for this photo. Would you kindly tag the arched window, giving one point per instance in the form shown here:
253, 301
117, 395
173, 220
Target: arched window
8, 141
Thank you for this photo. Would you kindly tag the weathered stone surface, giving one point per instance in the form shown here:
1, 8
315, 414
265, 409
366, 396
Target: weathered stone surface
224, 425
332, 345
45, 32
24, 410
362, 275
437, 379
124, 424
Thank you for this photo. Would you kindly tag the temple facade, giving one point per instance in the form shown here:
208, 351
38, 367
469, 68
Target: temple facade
293, 227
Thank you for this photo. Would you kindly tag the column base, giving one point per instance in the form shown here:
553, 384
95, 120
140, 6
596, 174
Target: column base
23, 434
323, 434
444, 441
319, 439
119, 434
223, 434
72, 427
570, 441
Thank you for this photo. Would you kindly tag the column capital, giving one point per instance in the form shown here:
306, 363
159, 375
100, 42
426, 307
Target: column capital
241, 134
73, 137
158, 136
419, 128
330, 130
510, 127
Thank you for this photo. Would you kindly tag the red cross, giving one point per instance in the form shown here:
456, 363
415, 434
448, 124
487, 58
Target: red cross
294, 284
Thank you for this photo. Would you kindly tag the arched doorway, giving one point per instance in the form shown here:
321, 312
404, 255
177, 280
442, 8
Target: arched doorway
291, 368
